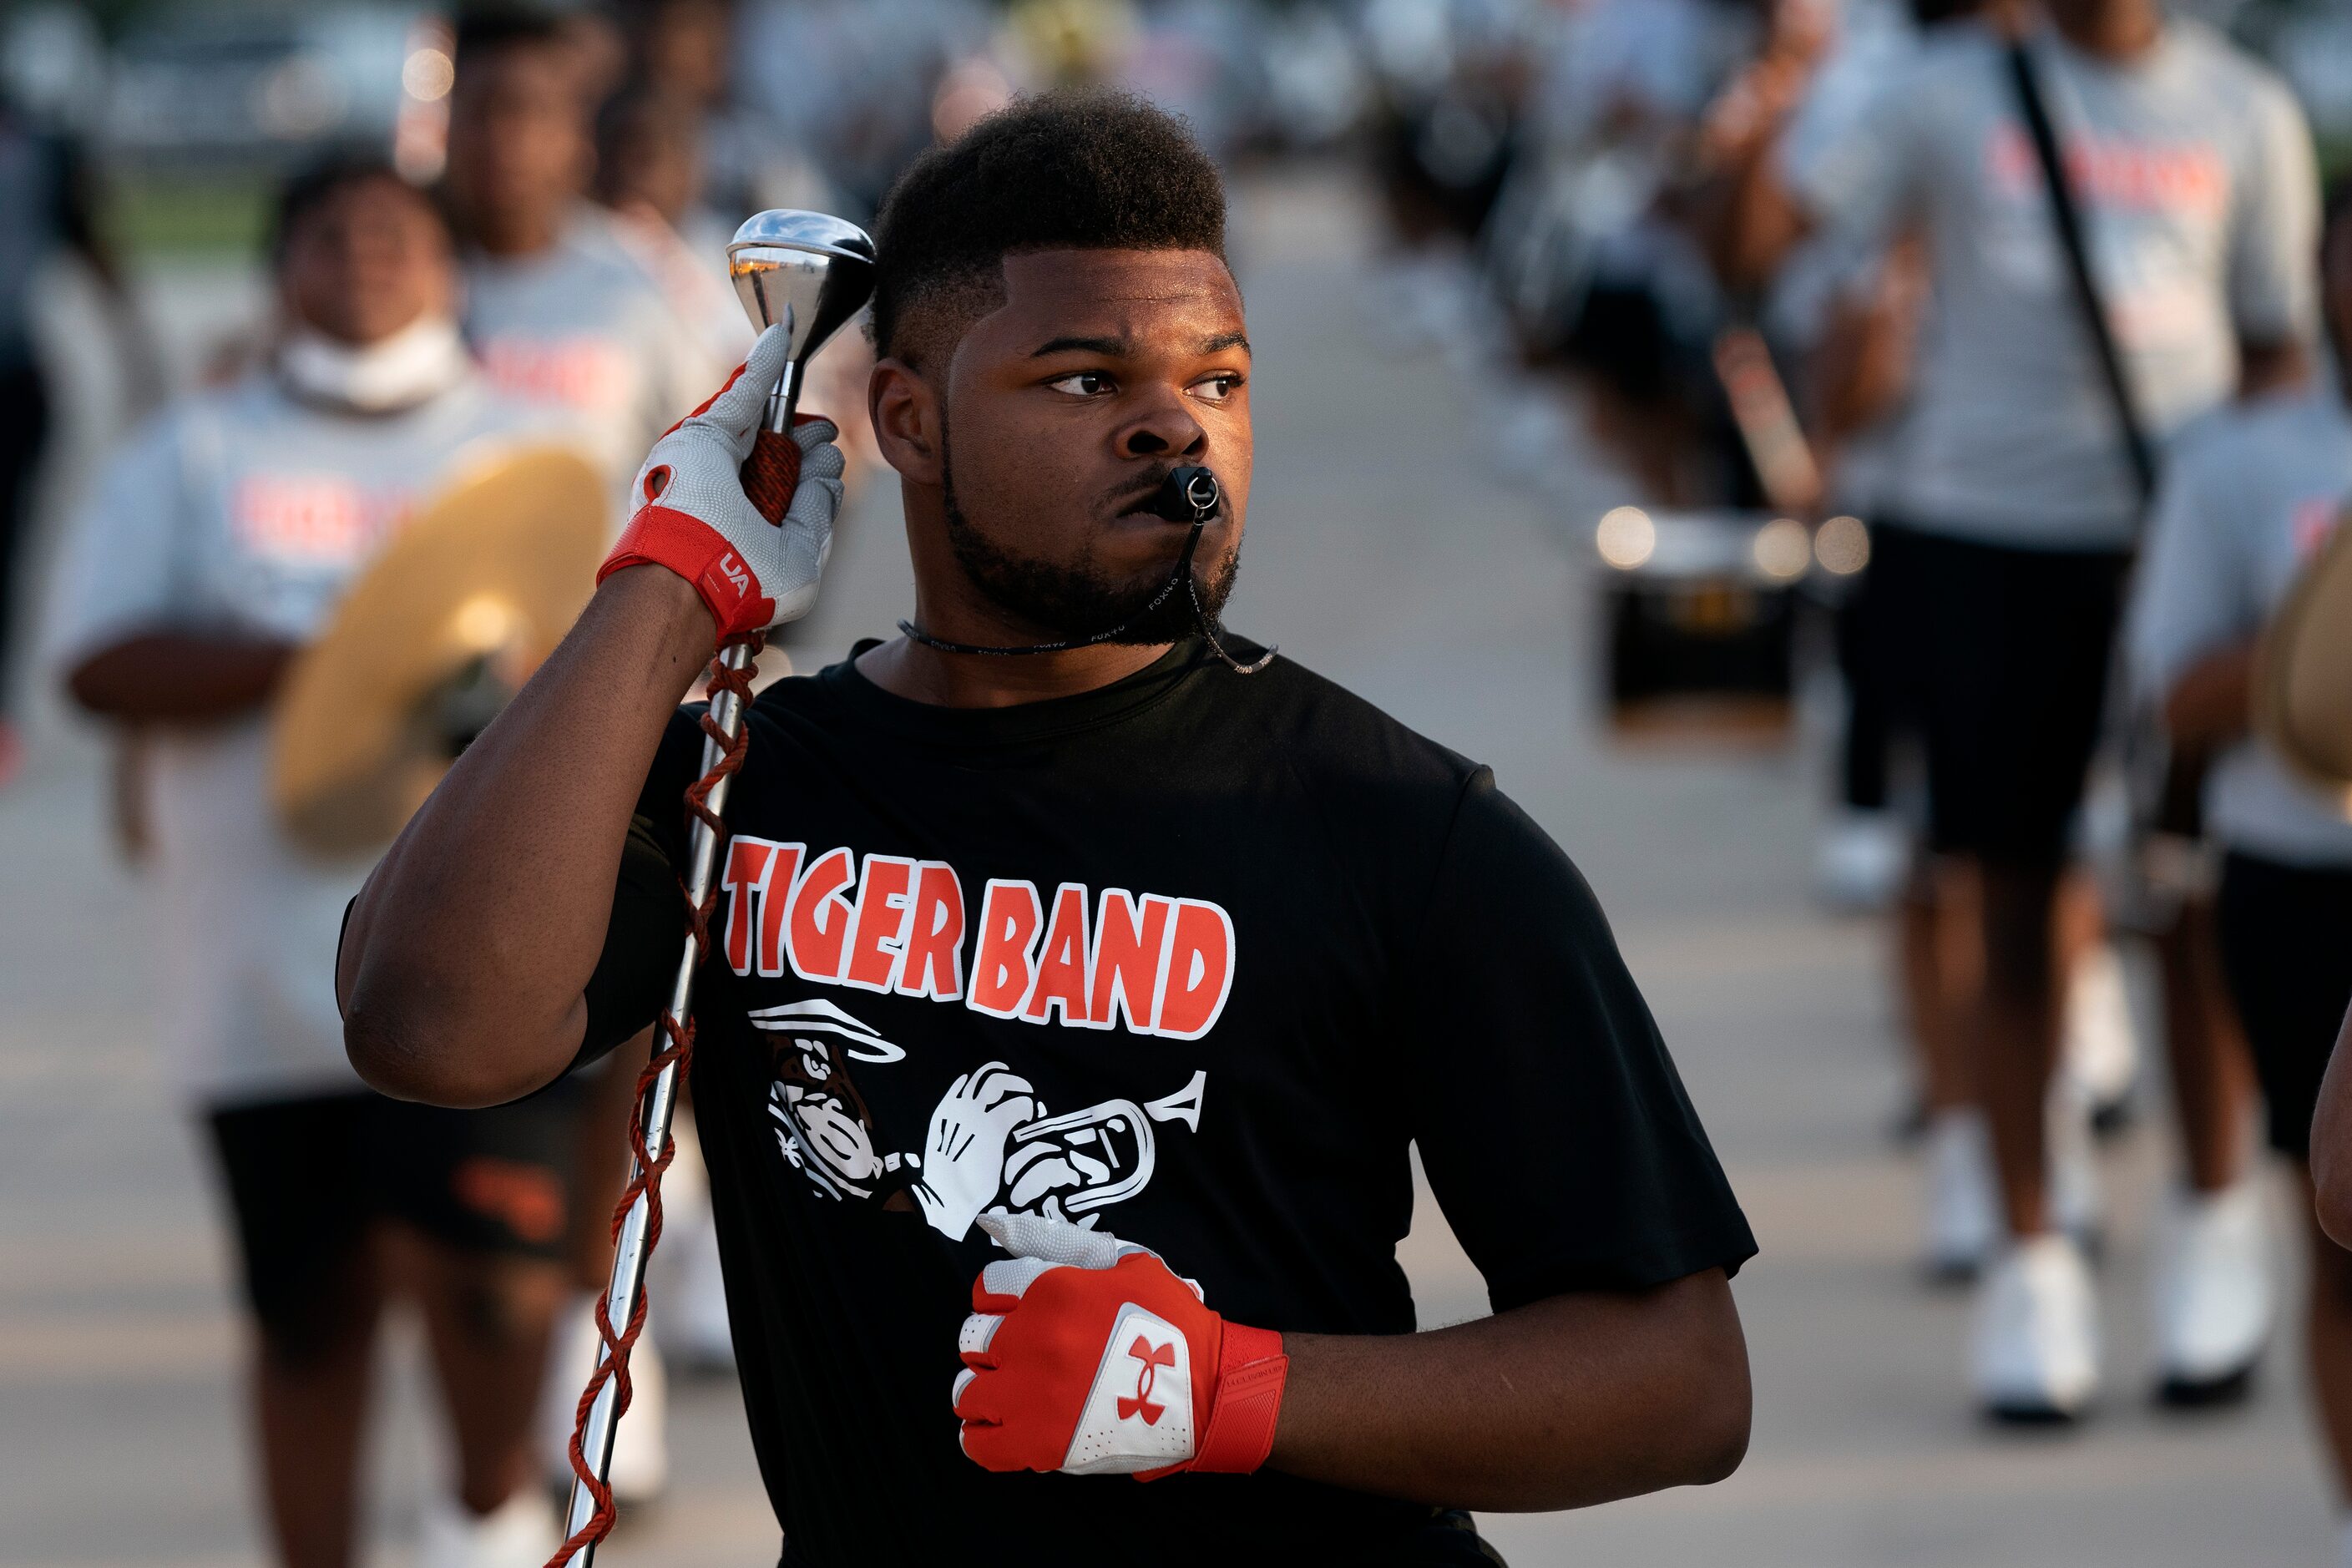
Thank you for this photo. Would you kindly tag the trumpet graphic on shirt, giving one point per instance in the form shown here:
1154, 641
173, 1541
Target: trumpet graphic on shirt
992, 1144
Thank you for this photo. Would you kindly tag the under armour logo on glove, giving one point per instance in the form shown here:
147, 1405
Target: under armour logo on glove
1153, 1358
1086, 1354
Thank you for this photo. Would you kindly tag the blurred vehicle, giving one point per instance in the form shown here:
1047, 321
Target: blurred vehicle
262, 88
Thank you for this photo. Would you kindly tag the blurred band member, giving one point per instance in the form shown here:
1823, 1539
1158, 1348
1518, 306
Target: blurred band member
556, 306
2013, 518
562, 312
44, 207
2246, 507
220, 542
650, 177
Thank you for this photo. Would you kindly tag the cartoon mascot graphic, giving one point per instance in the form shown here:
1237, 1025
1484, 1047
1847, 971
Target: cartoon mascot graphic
992, 1146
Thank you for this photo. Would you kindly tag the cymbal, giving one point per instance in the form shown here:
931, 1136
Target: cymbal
2303, 674
472, 595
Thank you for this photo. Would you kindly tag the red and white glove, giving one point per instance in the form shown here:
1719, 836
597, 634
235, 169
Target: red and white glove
694, 517
1086, 1354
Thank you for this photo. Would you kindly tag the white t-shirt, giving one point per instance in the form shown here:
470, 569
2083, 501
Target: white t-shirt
582, 326
2195, 174
2248, 500
242, 510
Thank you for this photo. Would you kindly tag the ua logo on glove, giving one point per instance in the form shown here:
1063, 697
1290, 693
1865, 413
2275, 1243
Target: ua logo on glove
1086, 1354
1153, 1358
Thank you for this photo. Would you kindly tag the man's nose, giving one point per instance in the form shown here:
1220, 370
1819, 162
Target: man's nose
1164, 429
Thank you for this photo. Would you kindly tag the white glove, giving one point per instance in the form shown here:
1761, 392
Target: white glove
695, 517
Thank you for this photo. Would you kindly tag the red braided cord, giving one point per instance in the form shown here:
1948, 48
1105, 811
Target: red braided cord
646, 1173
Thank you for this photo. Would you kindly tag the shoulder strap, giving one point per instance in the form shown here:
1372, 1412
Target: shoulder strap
2068, 215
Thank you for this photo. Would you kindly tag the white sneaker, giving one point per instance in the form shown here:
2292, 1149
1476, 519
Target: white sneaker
1859, 865
640, 1469
2099, 1042
2214, 1296
520, 1532
2036, 1353
1963, 1221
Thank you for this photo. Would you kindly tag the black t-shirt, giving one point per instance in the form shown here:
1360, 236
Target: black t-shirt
1192, 958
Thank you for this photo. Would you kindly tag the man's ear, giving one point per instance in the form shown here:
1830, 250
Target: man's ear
906, 415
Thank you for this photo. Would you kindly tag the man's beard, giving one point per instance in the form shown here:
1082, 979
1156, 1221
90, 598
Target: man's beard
1080, 602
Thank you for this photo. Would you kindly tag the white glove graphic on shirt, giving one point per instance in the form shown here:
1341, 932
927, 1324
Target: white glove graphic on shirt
964, 1151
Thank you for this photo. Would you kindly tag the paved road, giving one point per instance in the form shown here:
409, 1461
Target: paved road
1386, 554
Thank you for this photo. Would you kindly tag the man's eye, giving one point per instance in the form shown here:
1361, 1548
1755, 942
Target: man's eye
1085, 384
1217, 388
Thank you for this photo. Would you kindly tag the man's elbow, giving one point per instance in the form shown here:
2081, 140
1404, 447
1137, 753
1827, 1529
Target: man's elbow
1717, 1430
2331, 1181
405, 1052
1716, 1399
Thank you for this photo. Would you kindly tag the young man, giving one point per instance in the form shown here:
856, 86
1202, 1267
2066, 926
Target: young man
220, 542
1106, 945
2247, 506
558, 308
2013, 518
565, 312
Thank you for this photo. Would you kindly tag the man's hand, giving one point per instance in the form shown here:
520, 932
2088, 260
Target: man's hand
1086, 1354
694, 518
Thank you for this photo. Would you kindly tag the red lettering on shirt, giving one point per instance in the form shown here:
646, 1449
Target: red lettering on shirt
1130, 945
818, 931
1009, 915
585, 372
1199, 972
319, 518
1155, 964
933, 963
2188, 179
745, 880
880, 933
2313, 523
1062, 962
775, 904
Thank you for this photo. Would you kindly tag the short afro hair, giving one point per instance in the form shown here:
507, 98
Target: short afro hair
1079, 170
319, 181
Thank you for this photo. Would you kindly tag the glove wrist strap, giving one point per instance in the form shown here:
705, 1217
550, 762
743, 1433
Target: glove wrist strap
1251, 1371
659, 536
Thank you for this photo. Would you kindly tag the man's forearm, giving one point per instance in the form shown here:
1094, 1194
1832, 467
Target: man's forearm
180, 677
2267, 367
463, 970
2212, 702
1562, 1404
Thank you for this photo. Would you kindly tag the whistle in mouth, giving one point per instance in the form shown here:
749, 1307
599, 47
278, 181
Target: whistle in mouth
1188, 494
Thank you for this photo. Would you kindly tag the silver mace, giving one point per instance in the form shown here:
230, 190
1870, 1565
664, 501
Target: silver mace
812, 273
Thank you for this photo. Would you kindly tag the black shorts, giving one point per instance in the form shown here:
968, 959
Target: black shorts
2286, 950
2002, 655
307, 1179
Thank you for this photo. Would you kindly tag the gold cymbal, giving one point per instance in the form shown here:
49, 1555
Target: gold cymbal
475, 592
2303, 674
